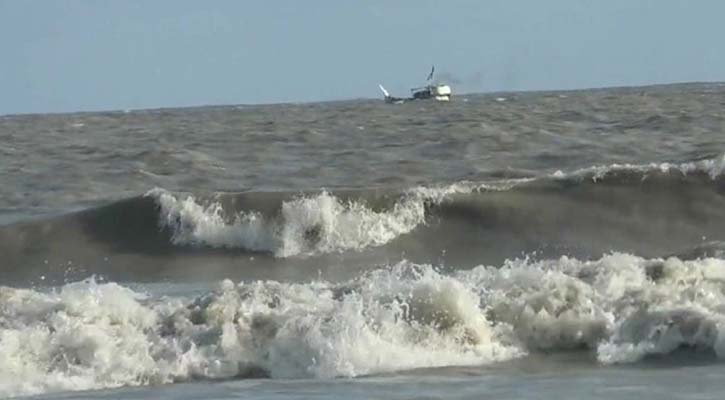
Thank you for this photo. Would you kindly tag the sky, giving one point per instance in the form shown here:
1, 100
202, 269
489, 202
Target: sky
87, 55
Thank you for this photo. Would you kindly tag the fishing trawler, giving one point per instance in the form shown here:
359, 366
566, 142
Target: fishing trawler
434, 91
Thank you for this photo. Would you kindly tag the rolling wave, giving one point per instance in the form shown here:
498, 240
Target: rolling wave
305, 225
649, 210
323, 223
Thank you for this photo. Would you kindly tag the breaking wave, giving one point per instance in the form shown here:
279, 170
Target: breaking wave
649, 210
323, 223
306, 225
621, 307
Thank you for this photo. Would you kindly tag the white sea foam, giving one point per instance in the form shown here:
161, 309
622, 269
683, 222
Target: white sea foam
713, 167
195, 224
306, 225
91, 335
621, 307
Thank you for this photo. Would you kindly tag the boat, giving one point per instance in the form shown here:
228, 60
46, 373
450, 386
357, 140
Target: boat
431, 91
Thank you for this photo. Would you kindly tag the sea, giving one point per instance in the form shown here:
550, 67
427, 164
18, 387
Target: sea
518, 245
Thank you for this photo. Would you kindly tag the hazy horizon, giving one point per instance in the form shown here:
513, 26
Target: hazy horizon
455, 94
71, 55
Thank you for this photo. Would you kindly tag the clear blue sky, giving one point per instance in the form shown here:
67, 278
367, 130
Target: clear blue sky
69, 55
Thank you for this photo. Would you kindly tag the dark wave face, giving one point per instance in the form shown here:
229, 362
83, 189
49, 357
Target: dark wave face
651, 211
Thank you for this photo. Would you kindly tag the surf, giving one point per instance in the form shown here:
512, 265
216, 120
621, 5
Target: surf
616, 309
649, 210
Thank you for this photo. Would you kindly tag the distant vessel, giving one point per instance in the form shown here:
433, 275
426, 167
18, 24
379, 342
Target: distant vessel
439, 92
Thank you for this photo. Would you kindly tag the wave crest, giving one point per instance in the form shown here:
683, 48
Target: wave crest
306, 225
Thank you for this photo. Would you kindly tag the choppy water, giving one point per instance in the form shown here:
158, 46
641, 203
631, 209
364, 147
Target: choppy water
516, 245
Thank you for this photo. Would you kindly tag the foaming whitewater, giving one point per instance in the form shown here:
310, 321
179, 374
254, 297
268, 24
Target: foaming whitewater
92, 335
306, 225
621, 308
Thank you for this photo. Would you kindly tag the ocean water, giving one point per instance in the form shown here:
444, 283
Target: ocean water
509, 245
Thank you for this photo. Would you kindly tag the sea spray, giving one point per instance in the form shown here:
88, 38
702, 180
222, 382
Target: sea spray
621, 308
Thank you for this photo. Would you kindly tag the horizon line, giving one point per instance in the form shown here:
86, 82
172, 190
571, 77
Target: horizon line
279, 103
